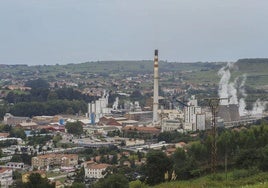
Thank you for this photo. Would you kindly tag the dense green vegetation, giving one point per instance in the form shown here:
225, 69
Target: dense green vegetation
75, 128
103, 67
156, 166
256, 180
40, 101
35, 180
54, 107
113, 181
245, 150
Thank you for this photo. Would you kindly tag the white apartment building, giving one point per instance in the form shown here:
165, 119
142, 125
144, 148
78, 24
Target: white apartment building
200, 121
95, 171
193, 117
5, 177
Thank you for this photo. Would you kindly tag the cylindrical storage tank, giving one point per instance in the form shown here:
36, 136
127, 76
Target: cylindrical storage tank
92, 118
61, 121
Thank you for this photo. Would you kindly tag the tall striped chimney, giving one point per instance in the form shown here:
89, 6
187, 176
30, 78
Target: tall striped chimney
156, 79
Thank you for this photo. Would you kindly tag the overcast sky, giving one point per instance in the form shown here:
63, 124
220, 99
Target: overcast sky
73, 31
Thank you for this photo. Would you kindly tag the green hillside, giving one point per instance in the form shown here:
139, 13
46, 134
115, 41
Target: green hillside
259, 180
198, 72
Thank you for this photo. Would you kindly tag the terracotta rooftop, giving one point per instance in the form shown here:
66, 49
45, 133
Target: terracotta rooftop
140, 128
2, 170
4, 135
98, 166
53, 155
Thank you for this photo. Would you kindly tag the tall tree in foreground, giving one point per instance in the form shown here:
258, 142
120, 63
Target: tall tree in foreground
35, 180
113, 181
157, 165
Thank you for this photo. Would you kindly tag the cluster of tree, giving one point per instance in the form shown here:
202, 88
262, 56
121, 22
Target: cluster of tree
113, 181
3, 111
114, 133
45, 94
38, 140
245, 148
75, 128
109, 159
37, 83
54, 107
5, 128
175, 137
136, 95
156, 166
110, 151
36, 180
7, 143
42, 100
22, 158
16, 132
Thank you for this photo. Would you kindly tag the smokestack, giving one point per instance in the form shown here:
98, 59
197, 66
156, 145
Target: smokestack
156, 79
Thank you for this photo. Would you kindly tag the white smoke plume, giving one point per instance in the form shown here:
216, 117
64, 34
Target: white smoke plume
242, 92
242, 107
227, 89
258, 107
230, 90
116, 102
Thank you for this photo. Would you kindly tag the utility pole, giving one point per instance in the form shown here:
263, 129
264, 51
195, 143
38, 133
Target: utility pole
213, 104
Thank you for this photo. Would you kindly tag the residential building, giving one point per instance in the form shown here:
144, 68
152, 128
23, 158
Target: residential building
200, 121
194, 119
140, 131
27, 125
4, 135
6, 177
47, 160
9, 119
15, 165
134, 142
95, 171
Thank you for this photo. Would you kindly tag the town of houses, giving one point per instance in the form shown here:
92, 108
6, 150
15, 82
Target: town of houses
132, 135
112, 136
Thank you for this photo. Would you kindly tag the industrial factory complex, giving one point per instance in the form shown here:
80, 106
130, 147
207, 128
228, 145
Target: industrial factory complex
180, 116
65, 143
189, 117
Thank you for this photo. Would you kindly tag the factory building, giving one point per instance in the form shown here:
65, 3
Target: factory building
200, 121
194, 119
98, 108
170, 125
229, 113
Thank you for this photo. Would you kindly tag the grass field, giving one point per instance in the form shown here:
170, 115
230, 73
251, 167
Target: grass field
258, 180
235, 179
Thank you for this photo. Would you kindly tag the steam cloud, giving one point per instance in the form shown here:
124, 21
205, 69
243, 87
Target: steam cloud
231, 90
116, 102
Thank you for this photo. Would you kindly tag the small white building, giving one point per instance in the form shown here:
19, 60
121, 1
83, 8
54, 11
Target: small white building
15, 165
5, 177
95, 171
134, 142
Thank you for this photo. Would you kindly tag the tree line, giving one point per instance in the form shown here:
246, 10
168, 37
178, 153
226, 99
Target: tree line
41, 100
244, 148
